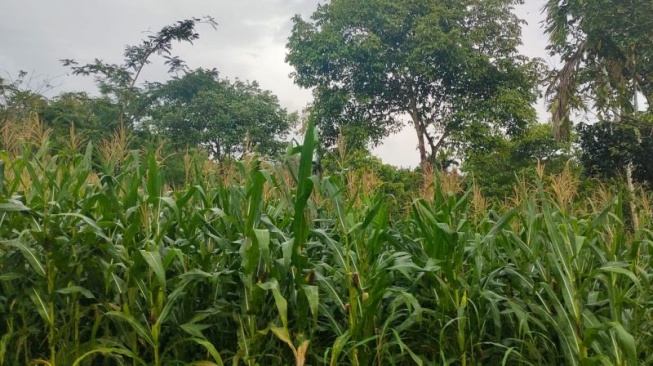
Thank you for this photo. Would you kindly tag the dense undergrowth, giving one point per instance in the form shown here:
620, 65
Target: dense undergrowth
102, 264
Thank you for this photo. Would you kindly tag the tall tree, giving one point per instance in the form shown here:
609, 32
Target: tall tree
120, 81
608, 149
226, 118
92, 117
606, 48
21, 97
441, 65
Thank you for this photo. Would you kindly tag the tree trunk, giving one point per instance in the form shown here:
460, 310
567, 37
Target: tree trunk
631, 193
629, 168
421, 145
420, 130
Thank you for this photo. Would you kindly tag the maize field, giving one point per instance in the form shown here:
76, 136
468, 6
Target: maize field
101, 263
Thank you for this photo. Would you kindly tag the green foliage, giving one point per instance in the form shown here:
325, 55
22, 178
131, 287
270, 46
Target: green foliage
604, 47
495, 163
258, 263
445, 64
226, 118
279, 265
607, 149
398, 185
196, 112
19, 98
119, 81
94, 118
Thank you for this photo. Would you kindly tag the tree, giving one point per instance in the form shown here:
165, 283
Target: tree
495, 161
119, 81
21, 97
606, 50
226, 118
443, 65
92, 117
608, 148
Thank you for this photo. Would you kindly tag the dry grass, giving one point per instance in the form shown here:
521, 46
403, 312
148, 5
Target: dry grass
480, 205
18, 135
564, 188
75, 142
361, 184
601, 196
448, 181
115, 149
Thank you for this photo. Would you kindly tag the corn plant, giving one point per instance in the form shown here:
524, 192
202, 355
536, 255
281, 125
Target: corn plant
263, 263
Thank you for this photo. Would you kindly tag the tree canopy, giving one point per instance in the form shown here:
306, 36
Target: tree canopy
119, 81
444, 66
226, 118
606, 50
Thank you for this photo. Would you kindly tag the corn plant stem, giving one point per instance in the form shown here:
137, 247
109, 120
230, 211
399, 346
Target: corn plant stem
51, 313
133, 336
76, 315
460, 306
352, 290
26, 354
379, 344
76, 309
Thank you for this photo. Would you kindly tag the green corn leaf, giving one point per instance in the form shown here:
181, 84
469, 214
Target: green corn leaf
96, 229
338, 347
283, 335
109, 351
418, 361
627, 342
135, 325
76, 290
280, 302
153, 259
170, 303
41, 306
286, 249
170, 256
13, 205
154, 179
334, 191
330, 291
263, 239
336, 247
255, 195
194, 329
372, 214
29, 255
503, 221
304, 189
195, 274
10, 276
312, 294
615, 268
210, 348
170, 202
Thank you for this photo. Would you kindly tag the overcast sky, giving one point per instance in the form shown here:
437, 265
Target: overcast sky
249, 43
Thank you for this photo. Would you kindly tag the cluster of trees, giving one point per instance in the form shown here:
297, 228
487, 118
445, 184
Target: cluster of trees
448, 69
194, 109
452, 70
